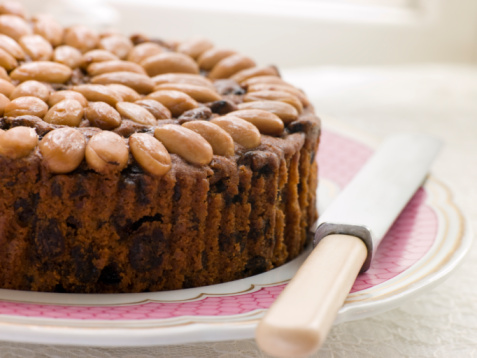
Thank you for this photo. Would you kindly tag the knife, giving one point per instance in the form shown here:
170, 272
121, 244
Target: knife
347, 235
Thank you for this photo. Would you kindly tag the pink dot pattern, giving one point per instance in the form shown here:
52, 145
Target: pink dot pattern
339, 159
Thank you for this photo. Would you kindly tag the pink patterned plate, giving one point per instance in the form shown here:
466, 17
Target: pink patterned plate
423, 246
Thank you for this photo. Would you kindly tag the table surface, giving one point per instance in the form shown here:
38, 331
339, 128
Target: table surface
436, 99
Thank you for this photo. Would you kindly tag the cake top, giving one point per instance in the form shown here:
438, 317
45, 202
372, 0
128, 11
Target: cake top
73, 94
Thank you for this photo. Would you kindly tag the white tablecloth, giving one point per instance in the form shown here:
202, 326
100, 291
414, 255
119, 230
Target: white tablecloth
440, 100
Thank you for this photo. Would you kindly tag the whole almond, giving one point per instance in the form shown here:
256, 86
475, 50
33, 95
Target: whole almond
169, 62
81, 37
199, 93
220, 141
36, 47
4, 75
188, 78
107, 152
49, 28
68, 112
150, 154
59, 96
12, 8
12, 47
14, 26
138, 82
98, 93
195, 47
26, 106
177, 102
97, 56
210, 58
31, 88
63, 150
266, 122
4, 101
18, 142
142, 51
263, 79
102, 115
186, 143
127, 93
280, 96
285, 111
43, 71
6, 88
276, 87
7, 61
242, 132
230, 66
118, 44
68, 55
157, 109
135, 113
244, 75
99, 68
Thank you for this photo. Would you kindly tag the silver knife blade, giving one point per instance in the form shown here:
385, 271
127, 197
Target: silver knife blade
370, 203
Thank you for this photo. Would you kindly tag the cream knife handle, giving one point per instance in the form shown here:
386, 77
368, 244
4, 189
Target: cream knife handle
298, 322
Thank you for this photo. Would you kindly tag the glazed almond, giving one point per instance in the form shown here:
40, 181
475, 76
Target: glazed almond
99, 68
12, 47
127, 93
280, 96
138, 82
210, 58
26, 106
12, 8
94, 56
31, 88
46, 26
186, 78
279, 87
43, 71
4, 101
142, 51
117, 44
230, 66
68, 112
63, 150
199, 93
59, 96
6, 88
169, 62
150, 154
98, 93
68, 56
266, 122
157, 109
186, 143
14, 26
135, 113
242, 132
221, 142
7, 61
195, 47
244, 75
17, 142
263, 79
81, 37
285, 111
102, 115
36, 47
177, 102
107, 152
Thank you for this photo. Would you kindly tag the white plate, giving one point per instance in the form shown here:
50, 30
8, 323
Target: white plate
425, 244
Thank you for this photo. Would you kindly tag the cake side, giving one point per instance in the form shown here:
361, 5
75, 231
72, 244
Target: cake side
136, 164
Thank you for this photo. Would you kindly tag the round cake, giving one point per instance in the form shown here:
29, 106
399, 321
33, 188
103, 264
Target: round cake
135, 164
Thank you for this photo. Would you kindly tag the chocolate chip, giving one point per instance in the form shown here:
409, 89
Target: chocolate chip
203, 113
222, 107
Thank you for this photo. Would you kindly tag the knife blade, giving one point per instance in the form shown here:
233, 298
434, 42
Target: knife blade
347, 236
